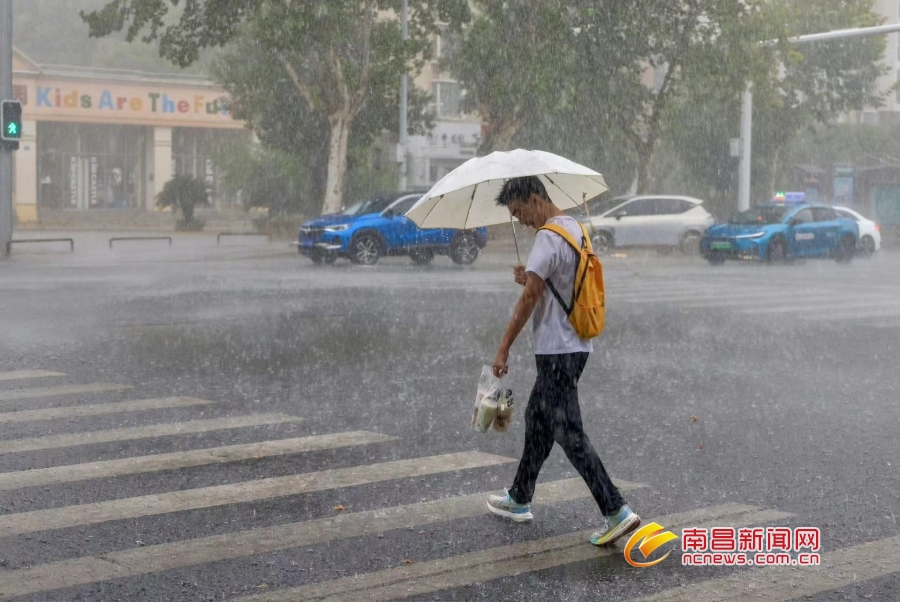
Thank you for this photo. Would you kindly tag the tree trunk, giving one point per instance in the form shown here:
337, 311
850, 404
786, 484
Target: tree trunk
645, 154
501, 140
337, 163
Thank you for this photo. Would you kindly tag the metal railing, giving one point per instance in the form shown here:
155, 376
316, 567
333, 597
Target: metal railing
18, 242
221, 234
169, 238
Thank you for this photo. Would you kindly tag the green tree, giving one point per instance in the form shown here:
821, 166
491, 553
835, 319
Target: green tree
816, 82
262, 94
184, 192
278, 181
515, 61
337, 54
796, 88
641, 54
575, 74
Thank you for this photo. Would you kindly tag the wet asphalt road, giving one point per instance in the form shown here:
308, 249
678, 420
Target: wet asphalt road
772, 387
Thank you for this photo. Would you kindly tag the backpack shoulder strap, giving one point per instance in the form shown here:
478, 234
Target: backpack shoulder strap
557, 229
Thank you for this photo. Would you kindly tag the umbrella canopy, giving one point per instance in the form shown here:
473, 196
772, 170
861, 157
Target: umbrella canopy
465, 197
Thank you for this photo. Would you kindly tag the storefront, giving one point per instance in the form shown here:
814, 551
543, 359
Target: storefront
103, 139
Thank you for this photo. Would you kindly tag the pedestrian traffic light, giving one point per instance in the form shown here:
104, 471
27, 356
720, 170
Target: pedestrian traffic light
11, 117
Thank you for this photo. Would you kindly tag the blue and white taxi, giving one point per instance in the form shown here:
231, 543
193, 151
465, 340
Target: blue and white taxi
780, 231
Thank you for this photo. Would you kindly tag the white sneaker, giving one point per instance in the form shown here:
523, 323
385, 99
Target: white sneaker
503, 505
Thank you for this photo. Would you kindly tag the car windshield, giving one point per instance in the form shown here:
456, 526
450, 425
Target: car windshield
373, 205
760, 215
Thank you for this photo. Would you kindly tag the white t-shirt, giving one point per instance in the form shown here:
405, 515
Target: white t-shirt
552, 258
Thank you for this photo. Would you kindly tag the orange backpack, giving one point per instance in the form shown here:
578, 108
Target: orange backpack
587, 315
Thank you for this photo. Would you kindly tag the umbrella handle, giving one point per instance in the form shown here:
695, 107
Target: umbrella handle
587, 212
515, 238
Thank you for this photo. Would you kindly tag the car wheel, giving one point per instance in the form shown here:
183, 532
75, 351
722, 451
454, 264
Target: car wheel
690, 244
464, 248
846, 250
777, 251
866, 246
716, 258
421, 256
365, 249
601, 242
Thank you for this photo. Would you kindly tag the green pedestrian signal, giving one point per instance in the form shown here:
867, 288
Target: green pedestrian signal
11, 116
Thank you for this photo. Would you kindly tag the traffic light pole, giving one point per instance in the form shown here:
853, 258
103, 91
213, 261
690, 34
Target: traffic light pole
5, 153
747, 101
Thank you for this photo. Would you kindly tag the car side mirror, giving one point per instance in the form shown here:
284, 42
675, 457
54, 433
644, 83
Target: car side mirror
793, 222
620, 214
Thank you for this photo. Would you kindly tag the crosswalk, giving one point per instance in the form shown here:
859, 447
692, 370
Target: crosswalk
57, 579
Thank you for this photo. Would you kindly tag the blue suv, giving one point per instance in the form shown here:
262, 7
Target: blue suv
781, 231
378, 226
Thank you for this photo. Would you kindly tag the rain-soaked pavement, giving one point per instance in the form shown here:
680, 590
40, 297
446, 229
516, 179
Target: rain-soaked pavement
231, 421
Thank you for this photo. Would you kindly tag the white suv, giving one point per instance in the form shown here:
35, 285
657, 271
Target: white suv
646, 221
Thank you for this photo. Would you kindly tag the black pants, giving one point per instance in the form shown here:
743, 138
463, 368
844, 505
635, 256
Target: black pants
553, 414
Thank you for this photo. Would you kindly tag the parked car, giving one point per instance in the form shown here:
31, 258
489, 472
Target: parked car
662, 221
778, 232
869, 232
375, 227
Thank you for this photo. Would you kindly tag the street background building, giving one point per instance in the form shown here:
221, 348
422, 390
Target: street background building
456, 135
110, 139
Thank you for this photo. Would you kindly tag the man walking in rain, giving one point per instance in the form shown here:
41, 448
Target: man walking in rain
553, 413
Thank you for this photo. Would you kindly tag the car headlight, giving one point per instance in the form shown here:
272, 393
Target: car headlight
754, 235
337, 228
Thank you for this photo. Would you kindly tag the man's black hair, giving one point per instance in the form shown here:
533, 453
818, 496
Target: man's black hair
521, 189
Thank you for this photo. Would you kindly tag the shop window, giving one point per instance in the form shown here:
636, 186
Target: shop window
88, 166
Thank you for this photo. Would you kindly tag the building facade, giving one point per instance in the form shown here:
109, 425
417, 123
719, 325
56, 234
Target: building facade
105, 139
456, 135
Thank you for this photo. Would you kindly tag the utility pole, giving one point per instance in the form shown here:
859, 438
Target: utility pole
5, 152
404, 92
747, 101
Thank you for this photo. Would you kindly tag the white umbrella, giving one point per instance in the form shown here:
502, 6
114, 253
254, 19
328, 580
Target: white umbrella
466, 197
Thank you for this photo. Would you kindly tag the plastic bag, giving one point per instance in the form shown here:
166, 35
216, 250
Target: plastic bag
493, 403
504, 411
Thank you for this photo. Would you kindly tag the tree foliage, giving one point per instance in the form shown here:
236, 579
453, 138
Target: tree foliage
262, 94
50, 32
583, 66
339, 56
515, 63
796, 88
185, 193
